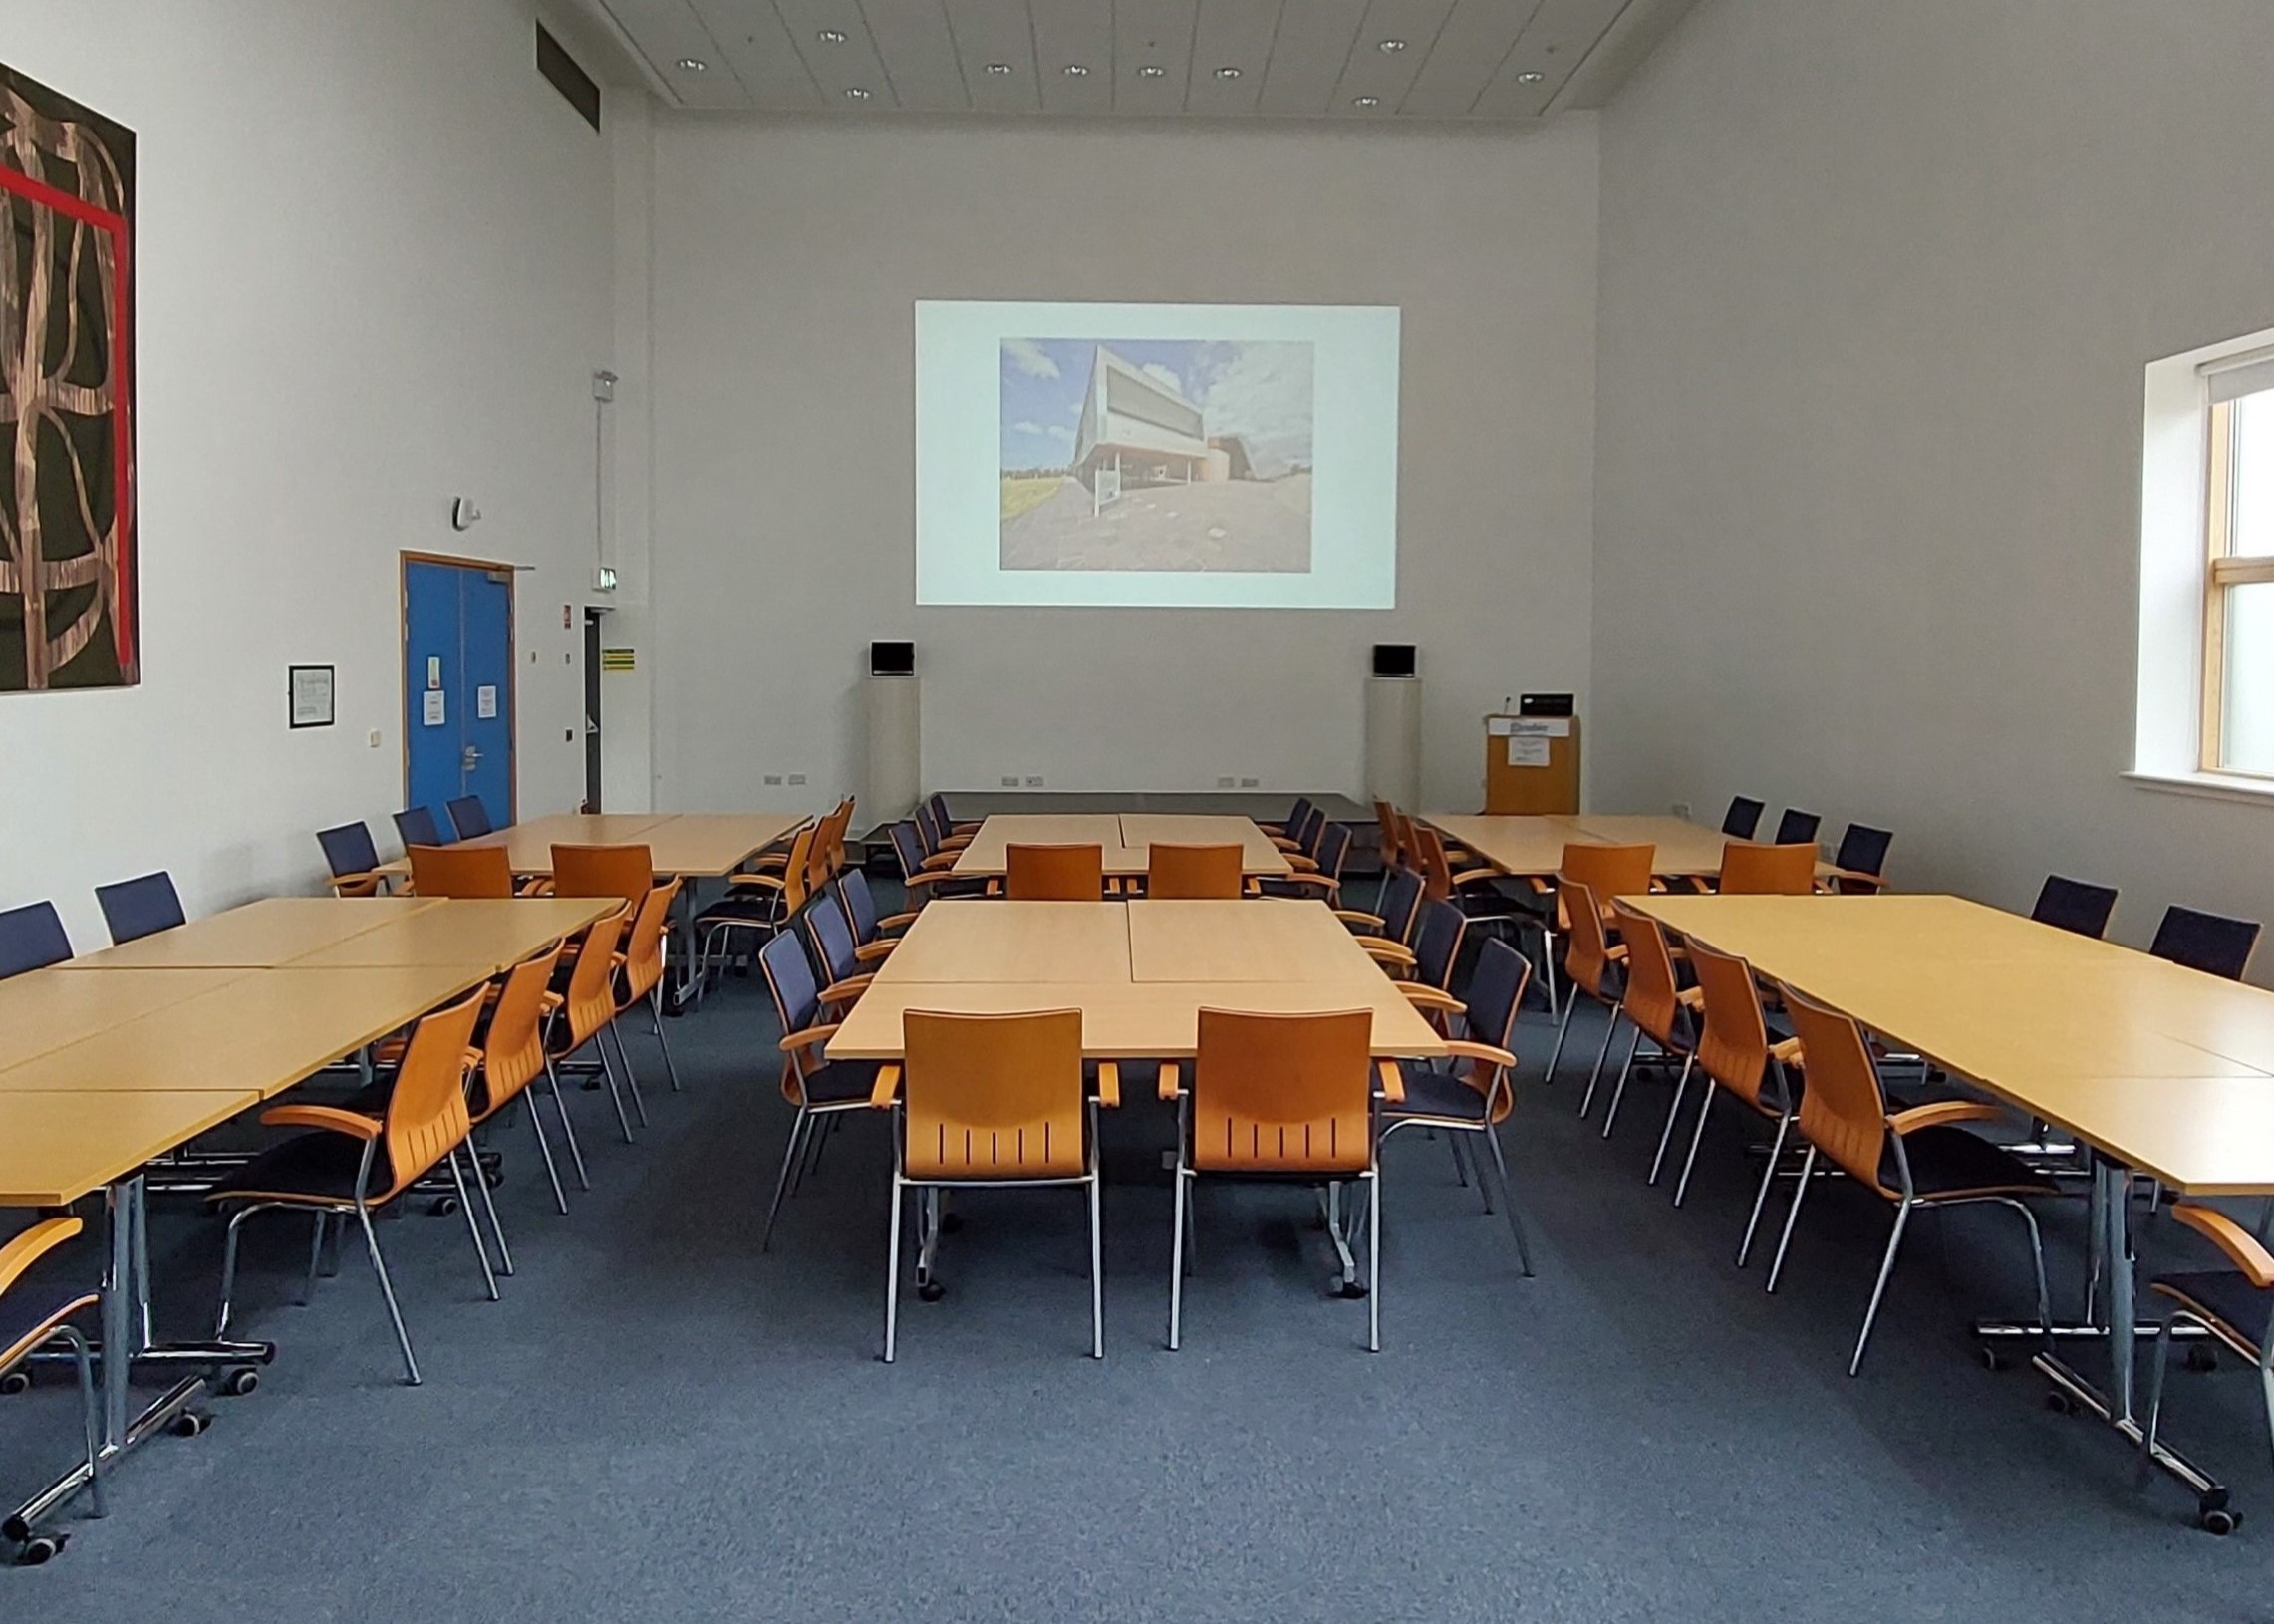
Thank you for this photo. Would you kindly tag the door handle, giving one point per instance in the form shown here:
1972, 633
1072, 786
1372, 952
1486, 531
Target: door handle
471, 760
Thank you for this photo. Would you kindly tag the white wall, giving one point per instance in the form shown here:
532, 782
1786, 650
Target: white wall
373, 273
1879, 283
788, 259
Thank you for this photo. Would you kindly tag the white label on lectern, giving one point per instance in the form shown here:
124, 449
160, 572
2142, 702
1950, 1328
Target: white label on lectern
1499, 727
1527, 753
1540, 728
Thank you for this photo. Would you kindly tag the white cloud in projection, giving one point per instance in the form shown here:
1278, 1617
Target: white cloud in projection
1261, 394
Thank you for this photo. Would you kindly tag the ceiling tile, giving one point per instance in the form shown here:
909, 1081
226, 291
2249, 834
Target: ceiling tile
667, 32
1074, 34
919, 54
1151, 35
833, 38
1234, 34
1388, 75
750, 34
996, 31
1470, 49
1307, 55
1555, 42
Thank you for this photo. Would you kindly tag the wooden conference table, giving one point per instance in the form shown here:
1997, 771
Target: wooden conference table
681, 845
1125, 839
115, 1059
1533, 846
2158, 1069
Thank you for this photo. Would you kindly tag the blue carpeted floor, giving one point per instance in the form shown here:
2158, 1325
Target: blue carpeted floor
660, 1423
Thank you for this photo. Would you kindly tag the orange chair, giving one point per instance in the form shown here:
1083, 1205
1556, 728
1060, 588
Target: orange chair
1284, 1098
1385, 818
1908, 1159
990, 1100
603, 871
34, 1317
1655, 1004
587, 1012
352, 1162
761, 904
513, 1057
1202, 872
1592, 965
1750, 870
1446, 883
2234, 1306
460, 871
1055, 874
1736, 1057
640, 974
1610, 871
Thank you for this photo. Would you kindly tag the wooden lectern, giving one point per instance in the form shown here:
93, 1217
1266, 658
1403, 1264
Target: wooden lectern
1531, 765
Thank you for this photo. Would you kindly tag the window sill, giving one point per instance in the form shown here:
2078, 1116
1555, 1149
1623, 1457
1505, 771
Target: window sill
2210, 785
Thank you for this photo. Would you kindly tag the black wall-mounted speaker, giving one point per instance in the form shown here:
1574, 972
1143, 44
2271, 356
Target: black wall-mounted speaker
892, 659
1544, 704
1393, 660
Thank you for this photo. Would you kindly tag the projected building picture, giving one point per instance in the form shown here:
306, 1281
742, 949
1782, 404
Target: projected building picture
1156, 455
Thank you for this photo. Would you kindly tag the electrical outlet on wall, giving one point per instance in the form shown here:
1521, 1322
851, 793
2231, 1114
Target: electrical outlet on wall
798, 778
773, 777
1250, 783
1225, 781
1034, 781
373, 741
1011, 780
1682, 810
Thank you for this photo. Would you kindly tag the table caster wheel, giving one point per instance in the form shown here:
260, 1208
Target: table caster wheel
2061, 1403
2220, 1521
41, 1547
444, 1206
1349, 1290
931, 1290
1994, 1358
237, 1383
16, 1381
2202, 1356
496, 1178
190, 1422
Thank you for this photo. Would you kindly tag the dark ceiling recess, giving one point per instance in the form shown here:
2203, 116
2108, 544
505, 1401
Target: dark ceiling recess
560, 70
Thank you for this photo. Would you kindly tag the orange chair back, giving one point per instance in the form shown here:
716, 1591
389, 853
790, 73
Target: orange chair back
627, 872
460, 871
797, 873
1587, 954
1055, 874
1844, 1109
644, 946
1734, 1047
837, 837
993, 1096
1610, 871
825, 848
1650, 998
1283, 1093
590, 1002
514, 1049
1748, 869
1385, 815
1193, 871
427, 1115
1436, 869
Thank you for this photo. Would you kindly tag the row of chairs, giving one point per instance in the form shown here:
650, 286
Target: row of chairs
33, 936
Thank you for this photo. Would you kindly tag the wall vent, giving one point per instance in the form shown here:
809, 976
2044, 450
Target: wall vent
577, 87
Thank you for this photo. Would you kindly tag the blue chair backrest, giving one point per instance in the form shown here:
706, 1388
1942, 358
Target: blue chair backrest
31, 938
860, 903
1442, 926
790, 978
1863, 849
348, 849
939, 814
832, 937
2073, 905
1742, 818
1333, 848
417, 826
2205, 941
908, 846
1401, 899
1796, 828
927, 828
1295, 816
1494, 992
1309, 835
469, 817
139, 907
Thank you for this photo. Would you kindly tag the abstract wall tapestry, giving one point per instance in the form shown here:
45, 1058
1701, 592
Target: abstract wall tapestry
67, 405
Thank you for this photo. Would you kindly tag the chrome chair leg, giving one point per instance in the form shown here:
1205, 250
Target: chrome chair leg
631, 1077
607, 1071
472, 1227
892, 1267
1808, 1172
1879, 1290
1595, 1077
2036, 1265
1674, 1111
656, 1015
489, 1206
1761, 1196
568, 1127
789, 1158
1460, 1163
315, 1255
1697, 1137
1373, 1188
387, 1290
1096, 1269
545, 1149
2157, 1370
229, 1267
1507, 1201
89, 1414
1177, 1255
1563, 1030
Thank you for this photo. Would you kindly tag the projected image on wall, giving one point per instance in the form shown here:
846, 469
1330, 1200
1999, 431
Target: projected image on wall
1156, 455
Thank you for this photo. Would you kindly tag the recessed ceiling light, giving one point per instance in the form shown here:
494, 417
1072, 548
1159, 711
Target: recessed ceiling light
856, 93
831, 36
999, 67
693, 64
1227, 72
1075, 70
1529, 78
1152, 69
1394, 46
1366, 101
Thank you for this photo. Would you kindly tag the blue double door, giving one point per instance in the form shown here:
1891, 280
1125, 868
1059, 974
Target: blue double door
458, 685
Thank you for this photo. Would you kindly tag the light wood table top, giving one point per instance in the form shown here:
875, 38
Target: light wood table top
259, 936
484, 934
56, 1150
1005, 942
1266, 939
2113, 1045
698, 845
1512, 845
49, 1010
984, 855
1140, 830
1125, 1020
1123, 840
260, 1032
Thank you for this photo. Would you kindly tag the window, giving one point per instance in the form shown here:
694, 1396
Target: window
2238, 580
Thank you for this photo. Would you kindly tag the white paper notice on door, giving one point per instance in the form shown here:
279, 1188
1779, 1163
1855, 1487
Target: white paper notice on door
437, 713
1527, 753
485, 702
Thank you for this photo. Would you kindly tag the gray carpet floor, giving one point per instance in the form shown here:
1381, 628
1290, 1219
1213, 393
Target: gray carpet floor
657, 1422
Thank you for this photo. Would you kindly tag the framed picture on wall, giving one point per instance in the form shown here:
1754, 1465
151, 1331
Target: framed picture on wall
311, 695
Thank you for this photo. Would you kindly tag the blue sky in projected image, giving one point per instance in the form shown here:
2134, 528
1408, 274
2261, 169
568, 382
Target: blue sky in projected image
1260, 391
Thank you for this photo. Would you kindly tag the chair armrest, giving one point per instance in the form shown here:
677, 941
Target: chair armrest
1473, 876
1385, 952
1392, 1080
1353, 916
1943, 1112
1285, 844
359, 885
931, 876
1301, 863
806, 1039
1462, 1048
2241, 1245
1691, 997
25, 1249
747, 881
1311, 877
1108, 1083
1429, 997
538, 886
868, 952
886, 1093
1788, 1051
943, 859
845, 991
1837, 878
329, 1118
967, 828
553, 1000
895, 922
1170, 1083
